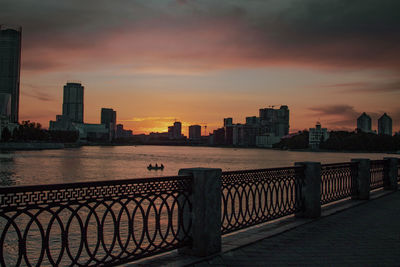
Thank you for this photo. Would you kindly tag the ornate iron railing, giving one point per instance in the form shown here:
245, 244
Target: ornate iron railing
99, 223
338, 181
377, 173
398, 172
256, 196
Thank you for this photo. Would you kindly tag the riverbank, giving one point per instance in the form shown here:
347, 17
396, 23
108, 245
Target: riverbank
11, 146
14, 146
170, 144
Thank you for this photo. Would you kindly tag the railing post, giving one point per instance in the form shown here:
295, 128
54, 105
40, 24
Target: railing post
362, 180
206, 211
390, 174
311, 190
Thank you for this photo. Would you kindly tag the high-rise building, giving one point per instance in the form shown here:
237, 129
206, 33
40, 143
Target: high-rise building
364, 123
228, 122
275, 121
385, 125
194, 132
108, 115
5, 105
10, 65
252, 120
177, 130
109, 119
73, 101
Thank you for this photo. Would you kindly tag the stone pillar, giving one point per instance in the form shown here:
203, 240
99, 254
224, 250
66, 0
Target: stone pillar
362, 183
390, 174
311, 190
206, 211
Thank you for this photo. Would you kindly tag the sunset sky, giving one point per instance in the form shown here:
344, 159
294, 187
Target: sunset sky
198, 61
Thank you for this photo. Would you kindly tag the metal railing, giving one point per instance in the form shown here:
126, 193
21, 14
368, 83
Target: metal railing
377, 173
338, 181
114, 222
398, 173
256, 196
98, 223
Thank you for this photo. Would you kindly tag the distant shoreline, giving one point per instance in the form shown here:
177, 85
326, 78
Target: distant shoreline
239, 147
31, 146
27, 146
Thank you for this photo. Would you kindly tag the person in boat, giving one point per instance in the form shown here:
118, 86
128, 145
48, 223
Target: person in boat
156, 166
150, 166
162, 166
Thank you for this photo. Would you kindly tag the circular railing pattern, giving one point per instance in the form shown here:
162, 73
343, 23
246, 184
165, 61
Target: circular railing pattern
90, 230
338, 181
256, 196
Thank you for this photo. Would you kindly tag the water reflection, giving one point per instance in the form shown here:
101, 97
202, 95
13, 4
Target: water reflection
7, 173
127, 162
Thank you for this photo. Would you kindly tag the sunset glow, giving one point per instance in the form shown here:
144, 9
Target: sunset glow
155, 62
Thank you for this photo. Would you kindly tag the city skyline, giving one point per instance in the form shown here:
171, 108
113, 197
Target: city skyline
157, 61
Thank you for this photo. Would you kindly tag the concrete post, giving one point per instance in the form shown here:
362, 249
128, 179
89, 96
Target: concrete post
311, 190
206, 211
390, 174
362, 180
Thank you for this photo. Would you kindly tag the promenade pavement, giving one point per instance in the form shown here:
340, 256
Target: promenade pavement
365, 235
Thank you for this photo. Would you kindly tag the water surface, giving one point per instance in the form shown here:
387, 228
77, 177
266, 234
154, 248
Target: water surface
95, 163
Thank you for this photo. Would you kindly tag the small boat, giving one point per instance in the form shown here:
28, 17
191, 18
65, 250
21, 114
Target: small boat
156, 167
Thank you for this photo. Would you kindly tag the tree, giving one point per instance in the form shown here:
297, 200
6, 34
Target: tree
5, 135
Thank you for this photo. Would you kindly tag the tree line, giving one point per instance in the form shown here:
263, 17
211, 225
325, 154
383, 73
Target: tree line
31, 131
345, 141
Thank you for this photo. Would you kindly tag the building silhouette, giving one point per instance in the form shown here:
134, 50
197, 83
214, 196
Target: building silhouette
73, 101
385, 125
263, 131
275, 121
175, 131
228, 131
194, 132
364, 123
317, 135
122, 133
5, 105
72, 117
109, 119
228, 122
10, 65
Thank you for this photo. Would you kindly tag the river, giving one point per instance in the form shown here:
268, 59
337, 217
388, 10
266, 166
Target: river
95, 163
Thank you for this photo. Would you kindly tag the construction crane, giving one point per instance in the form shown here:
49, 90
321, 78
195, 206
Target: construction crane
205, 128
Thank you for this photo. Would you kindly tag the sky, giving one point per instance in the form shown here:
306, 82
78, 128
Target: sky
157, 61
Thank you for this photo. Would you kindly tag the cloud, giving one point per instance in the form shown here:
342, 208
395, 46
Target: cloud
206, 35
148, 119
339, 116
366, 87
345, 85
36, 92
334, 110
344, 117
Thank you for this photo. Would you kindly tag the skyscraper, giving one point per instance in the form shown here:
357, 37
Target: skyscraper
10, 65
275, 121
385, 125
177, 130
73, 101
364, 123
5, 105
109, 118
194, 132
108, 115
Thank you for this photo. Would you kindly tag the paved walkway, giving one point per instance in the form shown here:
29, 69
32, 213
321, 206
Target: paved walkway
366, 235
